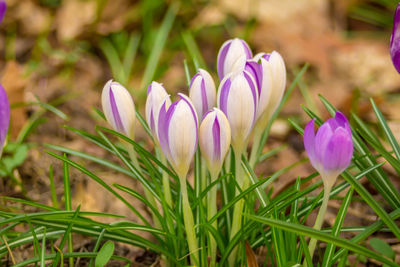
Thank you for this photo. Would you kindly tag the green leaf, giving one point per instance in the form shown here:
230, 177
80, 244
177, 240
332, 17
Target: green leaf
104, 254
382, 247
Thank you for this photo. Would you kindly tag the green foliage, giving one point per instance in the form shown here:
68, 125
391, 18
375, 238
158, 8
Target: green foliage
104, 255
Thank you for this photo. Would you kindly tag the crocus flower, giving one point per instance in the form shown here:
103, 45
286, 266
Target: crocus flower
278, 71
232, 56
178, 133
395, 40
118, 107
331, 149
238, 99
202, 92
3, 8
214, 139
156, 95
261, 71
4, 117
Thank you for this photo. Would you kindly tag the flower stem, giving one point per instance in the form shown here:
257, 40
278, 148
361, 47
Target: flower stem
238, 208
147, 193
189, 222
165, 181
254, 149
212, 210
320, 217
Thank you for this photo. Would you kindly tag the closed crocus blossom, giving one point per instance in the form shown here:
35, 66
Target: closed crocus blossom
278, 71
178, 133
261, 71
237, 98
118, 107
214, 139
3, 8
395, 40
331, 149
4, 117
232, 57
202, 92
156, 95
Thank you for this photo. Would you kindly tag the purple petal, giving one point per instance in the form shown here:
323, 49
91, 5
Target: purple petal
253, 91
223, 101
309, 143
152, 123
255, 70
395, 40
149, 89
204, 100
4, 116
115, 112
221, 59
216, 133
194, 114
205, 114
3, 8
164, 119
343, 122
266, 56
322, 139
247, 50
192, 80
338, 153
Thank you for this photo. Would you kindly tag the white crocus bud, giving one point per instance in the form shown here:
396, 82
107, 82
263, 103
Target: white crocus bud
232, 57
278, 70
119, 108
238, 99
202, 92
156, 95
214, 139
178, 133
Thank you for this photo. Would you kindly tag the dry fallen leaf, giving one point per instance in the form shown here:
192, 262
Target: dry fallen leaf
250, 256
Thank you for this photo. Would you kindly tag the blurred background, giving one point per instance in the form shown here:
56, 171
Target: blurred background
62, 52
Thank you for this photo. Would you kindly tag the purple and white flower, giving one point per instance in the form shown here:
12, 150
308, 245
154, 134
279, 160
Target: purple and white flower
232, 57
238, 99
261, 71
331, 149
119, 108
202, 92
178, 133
4, 117
395, 40
3, 8
278, 71
156, 95
214, 139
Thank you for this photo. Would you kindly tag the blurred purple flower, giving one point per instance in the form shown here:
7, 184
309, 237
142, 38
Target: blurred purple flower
4, 117
395, 40
331, 149
3, 8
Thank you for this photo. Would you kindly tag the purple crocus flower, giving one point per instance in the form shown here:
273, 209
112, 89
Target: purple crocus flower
331, 149
3, 8
232, 57
395, 40
238, 99
202, 92
4, 117
178, 133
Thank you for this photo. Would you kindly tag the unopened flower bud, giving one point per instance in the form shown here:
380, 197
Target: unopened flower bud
202, 92
232, 57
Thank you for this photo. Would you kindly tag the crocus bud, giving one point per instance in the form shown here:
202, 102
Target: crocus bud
238, 99
156, 95
232, 57
4, 117
3, 8
118, 107
202, 92
278, 71
178, 133
261, 71
395, 40
214, 139
331, 149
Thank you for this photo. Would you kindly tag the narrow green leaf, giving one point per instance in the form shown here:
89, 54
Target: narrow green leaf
104, 255
382, 247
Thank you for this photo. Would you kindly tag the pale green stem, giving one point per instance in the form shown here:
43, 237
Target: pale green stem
238, 207
165, 181
254, 149
149, 196
189, 223
212, 210
203, 177
320, 216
